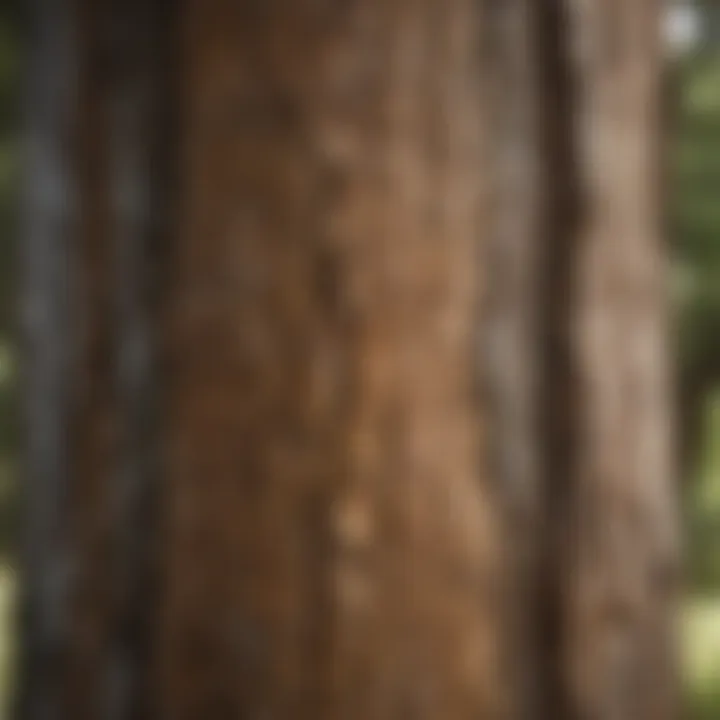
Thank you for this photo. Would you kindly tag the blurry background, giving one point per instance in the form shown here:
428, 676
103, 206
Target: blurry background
693, 31
693, 86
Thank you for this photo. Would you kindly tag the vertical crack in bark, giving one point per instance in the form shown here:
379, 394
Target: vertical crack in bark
92, 444
531, 259
141, 39
558, 415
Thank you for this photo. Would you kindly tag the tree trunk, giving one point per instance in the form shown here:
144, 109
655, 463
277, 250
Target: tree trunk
48, 216
332, 550
97, 215
93, 428
373, 423
622, 530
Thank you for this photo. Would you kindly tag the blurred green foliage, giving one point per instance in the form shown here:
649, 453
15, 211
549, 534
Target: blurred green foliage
696, 208
701, 663
695, 235
696, 245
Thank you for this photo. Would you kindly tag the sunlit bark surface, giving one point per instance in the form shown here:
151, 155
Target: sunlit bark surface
331, 542
622, 535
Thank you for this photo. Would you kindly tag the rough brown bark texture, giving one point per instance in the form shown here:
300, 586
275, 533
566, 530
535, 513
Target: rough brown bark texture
331, 543
411, 455
623, 529
577, 356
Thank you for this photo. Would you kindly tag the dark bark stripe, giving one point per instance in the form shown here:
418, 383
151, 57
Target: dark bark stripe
45, 259
140, 34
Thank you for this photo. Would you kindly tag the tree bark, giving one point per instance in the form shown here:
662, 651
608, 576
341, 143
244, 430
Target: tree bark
332, 550
99, 130
45, 264
141, 36
622, 528
93, 428
374, 421
510, 327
